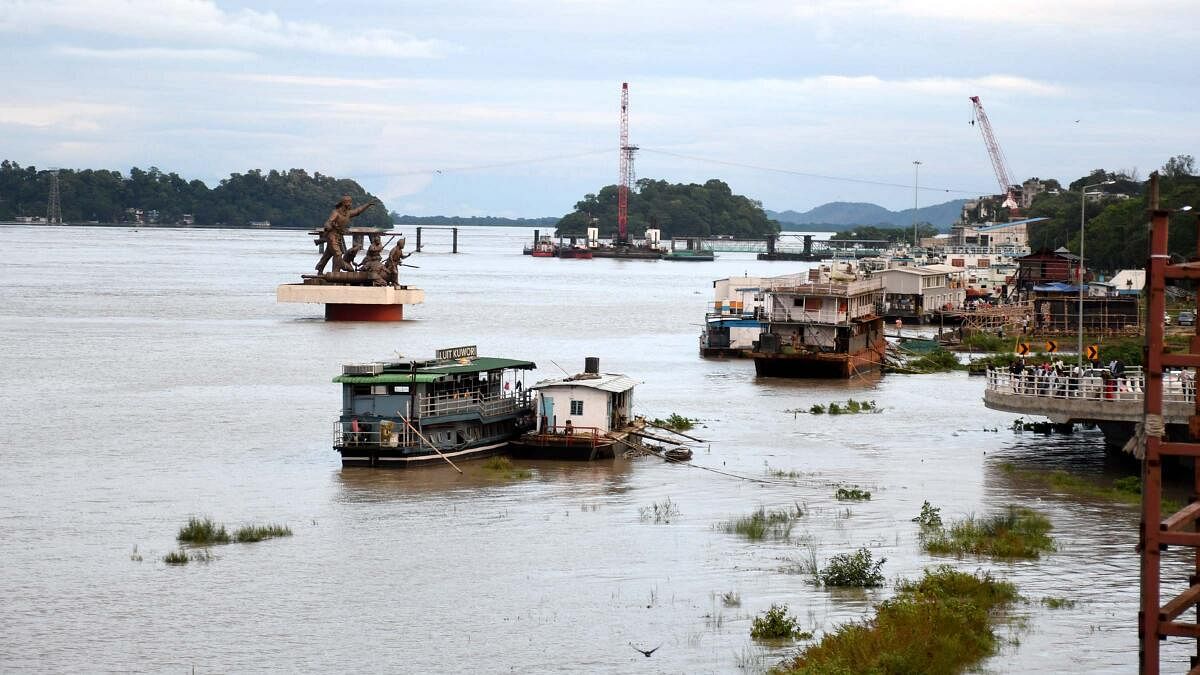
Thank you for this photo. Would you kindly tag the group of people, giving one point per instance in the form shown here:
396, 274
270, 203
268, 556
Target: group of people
1056, 379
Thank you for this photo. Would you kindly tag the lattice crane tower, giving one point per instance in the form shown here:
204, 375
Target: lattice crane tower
53, 203
999, 162
627, 176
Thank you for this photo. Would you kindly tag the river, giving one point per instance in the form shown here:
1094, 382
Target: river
149, 375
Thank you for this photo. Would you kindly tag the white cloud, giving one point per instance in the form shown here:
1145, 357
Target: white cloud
152, 54
1092, 14
201, 22
60, 115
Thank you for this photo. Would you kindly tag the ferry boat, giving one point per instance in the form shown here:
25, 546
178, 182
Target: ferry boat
587, 416
827, 326
455, 406
544, 248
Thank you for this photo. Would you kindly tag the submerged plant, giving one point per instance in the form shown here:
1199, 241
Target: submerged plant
1058, 603
503, 467
940, 624
731, 599
857, 569
931, 516
202, 531
852, 493
253, 533
1015, 532
179, 557
675, 422
761, 524
777, 624
660, 512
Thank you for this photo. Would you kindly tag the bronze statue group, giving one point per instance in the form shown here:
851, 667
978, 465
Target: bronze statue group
374, 269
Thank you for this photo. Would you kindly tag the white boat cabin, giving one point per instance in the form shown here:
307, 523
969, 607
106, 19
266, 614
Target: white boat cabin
586, 402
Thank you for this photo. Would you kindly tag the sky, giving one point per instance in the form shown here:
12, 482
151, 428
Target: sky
511, 107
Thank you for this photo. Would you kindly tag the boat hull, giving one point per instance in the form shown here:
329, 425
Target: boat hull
579, 447
387, 457
820, 364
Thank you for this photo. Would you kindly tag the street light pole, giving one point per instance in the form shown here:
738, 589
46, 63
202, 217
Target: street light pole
1082, 203
916, 176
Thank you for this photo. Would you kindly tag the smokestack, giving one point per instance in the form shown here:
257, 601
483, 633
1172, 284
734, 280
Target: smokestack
591, 365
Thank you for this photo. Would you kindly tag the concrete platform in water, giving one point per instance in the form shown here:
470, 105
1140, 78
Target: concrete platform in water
354, 303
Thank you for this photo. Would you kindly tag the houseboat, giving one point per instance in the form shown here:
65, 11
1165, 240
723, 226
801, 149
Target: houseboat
827, 326
457, 405
586, 416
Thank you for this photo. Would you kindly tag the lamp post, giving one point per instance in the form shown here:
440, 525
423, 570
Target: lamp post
1082, 204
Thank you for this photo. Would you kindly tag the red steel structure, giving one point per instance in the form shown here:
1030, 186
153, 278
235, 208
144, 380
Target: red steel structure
999, 163
626, 181
1156, 621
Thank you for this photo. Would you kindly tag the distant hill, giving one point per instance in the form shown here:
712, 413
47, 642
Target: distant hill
839, 216
473, 220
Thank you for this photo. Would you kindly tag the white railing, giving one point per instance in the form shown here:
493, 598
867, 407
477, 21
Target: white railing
468, 402
787, 316
1093, 384
399, 435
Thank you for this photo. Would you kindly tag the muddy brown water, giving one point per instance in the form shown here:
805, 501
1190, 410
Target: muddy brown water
149, 375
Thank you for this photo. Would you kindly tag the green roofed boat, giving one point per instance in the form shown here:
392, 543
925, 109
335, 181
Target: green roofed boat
456, 406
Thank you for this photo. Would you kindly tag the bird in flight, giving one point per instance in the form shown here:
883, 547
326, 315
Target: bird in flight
643, 651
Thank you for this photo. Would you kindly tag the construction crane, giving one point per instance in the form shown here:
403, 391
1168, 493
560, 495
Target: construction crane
999, 163
626, 180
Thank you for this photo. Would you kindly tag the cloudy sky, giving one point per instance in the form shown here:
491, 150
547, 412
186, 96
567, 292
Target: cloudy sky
510, 107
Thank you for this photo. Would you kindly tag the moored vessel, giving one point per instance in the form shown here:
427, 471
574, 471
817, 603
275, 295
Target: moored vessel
586, 416
455, 406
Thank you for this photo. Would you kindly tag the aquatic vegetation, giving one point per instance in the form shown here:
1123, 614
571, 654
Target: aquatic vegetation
202, 532
1124, 490
1015, 532
776, 524
777, 624
176, 558
502, 467
931, 516
850, 407
940, 624
1058, 603
939, 360
981, 341
135, 556
253, 533
675, 422
660, 512
731, 599
852, 493
857, 569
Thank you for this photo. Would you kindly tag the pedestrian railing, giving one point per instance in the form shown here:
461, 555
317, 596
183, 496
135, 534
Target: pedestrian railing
1091, 384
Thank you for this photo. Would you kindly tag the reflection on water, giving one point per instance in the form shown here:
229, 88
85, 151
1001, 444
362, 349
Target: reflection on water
158, 379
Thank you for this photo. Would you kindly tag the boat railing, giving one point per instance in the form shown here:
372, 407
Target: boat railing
553, 434
1093, 384
802, 316
469, 402
384, 433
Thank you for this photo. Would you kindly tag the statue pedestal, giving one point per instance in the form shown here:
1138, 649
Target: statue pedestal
353, 303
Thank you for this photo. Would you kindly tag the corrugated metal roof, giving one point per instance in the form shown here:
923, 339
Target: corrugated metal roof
997, 226
605, 382
397, 373
479, 365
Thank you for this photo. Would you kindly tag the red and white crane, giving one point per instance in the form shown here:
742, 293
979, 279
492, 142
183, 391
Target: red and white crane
999, 163
626, 181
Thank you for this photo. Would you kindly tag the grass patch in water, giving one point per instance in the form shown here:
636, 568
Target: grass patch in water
202, 532
660, 512
503, 467
940, 624
857, 570
253, 533
1058, 603
731, 599
776, 524
1015, 532
930, 516
852, 494
939, 360
675, 422
176, 558
1125, 490
776, 624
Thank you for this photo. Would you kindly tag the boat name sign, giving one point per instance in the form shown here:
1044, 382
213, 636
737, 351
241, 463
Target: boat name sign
455, 353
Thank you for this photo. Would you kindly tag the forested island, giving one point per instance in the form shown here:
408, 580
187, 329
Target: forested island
678, 209
1116, 214
290, 199
473, 221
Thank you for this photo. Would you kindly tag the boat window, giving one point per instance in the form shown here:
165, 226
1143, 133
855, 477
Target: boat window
400, 389
379, 390
361, 390
576, 407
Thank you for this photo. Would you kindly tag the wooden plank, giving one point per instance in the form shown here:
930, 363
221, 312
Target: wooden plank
1179, 449
1179, 629
1179, 538
1179, 604
1184, 516
1182, 271
1181, 360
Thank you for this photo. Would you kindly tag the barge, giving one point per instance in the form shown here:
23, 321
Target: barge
826, 327
456, 406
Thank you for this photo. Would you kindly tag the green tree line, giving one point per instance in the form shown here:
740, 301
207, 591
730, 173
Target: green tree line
290, 198
1116, 233
900, 235
677, 209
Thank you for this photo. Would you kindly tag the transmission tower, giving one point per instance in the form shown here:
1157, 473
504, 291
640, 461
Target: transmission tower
53, 204
627, 176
